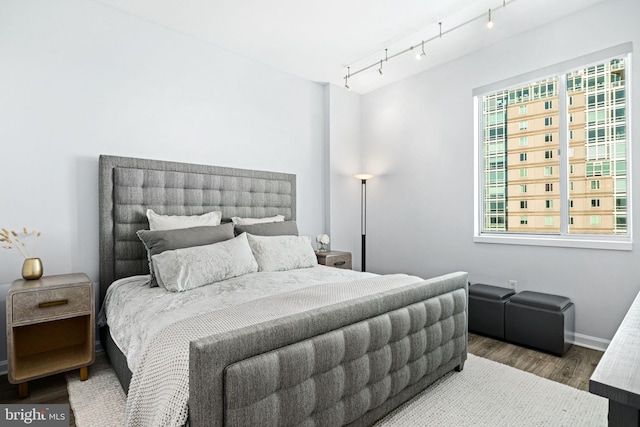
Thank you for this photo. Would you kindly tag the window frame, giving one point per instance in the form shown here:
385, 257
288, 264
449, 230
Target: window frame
563, 238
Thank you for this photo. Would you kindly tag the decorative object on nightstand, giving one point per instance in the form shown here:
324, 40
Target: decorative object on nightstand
323, 241
363, 177
50, 327
31, 267
336, 259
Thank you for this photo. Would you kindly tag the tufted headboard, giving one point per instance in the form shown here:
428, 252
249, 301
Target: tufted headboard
128, 187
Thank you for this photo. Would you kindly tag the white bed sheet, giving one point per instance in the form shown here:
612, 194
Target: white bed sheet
135, 312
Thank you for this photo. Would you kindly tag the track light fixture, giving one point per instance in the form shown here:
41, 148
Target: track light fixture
346, 79
422, 52
419, 55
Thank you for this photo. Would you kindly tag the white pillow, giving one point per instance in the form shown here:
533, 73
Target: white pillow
280, 253
173, 222
188, 268
249, 221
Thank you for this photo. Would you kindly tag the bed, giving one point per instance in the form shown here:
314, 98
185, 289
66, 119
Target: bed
336, 349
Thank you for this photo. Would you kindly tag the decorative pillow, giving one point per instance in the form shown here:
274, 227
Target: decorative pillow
159, 241
283, 228
189, 268
172, 222
248, 221
279, 253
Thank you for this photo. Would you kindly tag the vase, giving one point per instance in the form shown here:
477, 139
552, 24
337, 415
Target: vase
322, 247
32, 269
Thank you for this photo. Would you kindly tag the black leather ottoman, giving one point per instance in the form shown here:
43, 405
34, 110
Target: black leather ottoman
542, 321
486, 309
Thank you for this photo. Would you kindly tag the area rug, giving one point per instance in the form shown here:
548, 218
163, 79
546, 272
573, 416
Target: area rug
485, 393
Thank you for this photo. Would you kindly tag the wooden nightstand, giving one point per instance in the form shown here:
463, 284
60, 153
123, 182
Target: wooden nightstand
335, 259
50, 327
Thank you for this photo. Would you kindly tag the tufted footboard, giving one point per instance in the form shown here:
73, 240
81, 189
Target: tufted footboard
351, 363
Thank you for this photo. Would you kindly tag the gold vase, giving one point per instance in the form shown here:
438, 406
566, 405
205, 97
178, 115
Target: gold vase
32, 269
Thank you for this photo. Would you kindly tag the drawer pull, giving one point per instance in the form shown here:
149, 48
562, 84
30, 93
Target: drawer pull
53, 303
340, 263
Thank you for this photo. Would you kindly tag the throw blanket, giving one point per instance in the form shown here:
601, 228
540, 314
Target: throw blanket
159, 390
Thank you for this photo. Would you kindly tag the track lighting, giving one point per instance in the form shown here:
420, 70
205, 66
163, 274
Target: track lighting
346, 79
422, 52
490, 22
419, 55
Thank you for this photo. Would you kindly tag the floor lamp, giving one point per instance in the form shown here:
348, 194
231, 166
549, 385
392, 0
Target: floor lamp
363, 216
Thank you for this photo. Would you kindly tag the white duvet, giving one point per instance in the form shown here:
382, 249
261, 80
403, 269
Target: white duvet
135, 313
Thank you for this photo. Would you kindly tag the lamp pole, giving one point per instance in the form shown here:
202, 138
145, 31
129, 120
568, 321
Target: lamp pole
363, 217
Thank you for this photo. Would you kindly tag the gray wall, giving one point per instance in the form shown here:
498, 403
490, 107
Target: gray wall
345, 154
418, 138
79, 79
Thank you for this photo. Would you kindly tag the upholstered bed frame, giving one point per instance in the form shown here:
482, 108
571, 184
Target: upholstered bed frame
393, 345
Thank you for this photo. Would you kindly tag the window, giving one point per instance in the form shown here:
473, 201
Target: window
524, 220
570, 220
593, 100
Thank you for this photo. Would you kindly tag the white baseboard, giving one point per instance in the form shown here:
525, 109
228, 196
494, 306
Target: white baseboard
588, 341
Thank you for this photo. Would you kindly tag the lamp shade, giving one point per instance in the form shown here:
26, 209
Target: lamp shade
363, 176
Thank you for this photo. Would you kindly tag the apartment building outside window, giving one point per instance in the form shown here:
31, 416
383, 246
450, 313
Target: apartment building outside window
574, 123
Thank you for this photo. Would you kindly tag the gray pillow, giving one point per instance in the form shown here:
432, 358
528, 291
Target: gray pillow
283, 228
158, 241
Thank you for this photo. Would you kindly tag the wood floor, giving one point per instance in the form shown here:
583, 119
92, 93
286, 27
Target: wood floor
573, 369
48, 390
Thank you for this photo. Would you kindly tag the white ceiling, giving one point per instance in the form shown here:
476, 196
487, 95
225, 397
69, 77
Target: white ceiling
318, 40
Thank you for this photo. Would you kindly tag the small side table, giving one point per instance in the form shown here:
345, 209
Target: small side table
336, 259
50, 327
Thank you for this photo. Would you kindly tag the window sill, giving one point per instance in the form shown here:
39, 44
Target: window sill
557, 241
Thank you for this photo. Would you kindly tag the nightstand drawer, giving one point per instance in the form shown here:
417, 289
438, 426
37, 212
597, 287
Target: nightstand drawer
52, 303
335, 259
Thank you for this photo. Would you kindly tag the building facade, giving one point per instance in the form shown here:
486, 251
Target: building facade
521, 154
